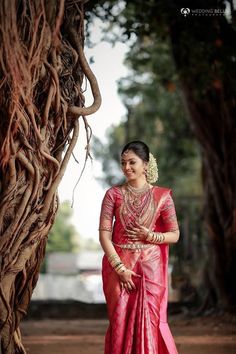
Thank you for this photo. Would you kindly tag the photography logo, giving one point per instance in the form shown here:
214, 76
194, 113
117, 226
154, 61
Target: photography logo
185, 11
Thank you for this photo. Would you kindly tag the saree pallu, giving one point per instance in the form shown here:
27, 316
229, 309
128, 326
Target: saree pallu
138, 323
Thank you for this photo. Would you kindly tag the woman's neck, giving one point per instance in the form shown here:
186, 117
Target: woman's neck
138, 183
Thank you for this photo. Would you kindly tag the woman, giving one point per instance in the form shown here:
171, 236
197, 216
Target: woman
135, 263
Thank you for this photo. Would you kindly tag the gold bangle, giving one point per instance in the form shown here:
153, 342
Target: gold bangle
155, 237
160, 237
114, 259
121, 269
163, 238
117, 265
149, 236
113, 255
115, 262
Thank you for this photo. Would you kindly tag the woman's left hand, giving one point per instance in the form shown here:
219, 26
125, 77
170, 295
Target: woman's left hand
137, 232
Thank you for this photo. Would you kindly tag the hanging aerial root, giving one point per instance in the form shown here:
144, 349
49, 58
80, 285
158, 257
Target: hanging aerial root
85, 111
42, 67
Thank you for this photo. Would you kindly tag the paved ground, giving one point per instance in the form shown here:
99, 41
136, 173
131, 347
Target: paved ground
207, 335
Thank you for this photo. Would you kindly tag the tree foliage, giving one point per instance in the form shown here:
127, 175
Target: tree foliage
203, 52
61, 237
155, 114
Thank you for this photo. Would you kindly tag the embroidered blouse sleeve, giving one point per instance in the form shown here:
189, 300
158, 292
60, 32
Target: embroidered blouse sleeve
168, 215
107, 211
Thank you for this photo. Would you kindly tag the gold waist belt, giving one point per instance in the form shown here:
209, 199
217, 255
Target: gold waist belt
133, 246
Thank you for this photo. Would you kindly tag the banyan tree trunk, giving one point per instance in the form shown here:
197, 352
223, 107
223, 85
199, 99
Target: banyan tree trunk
42, 67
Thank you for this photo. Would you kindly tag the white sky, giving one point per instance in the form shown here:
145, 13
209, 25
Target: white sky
108, 68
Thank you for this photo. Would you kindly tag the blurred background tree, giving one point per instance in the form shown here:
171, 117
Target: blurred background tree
62, 236
182, 85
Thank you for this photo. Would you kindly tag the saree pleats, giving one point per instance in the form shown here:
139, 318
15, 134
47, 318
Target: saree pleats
135, 326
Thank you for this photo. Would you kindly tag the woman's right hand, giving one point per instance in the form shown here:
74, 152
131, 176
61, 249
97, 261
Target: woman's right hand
126, 281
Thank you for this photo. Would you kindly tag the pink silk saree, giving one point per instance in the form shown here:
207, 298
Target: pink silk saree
138, 321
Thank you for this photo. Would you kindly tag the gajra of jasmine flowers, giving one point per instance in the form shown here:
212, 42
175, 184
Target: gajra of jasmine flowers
152, 169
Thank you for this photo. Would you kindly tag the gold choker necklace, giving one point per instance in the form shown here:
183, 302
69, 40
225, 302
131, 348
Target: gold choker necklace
141, 190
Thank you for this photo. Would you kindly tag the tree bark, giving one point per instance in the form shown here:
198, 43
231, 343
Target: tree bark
203, 50
42, 67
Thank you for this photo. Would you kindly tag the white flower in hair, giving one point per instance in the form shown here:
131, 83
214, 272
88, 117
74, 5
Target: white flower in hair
152, 169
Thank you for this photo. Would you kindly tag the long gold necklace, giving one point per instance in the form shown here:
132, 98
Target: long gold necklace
136, 204
136, 196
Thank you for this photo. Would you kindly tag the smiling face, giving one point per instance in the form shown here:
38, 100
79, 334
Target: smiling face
133, 166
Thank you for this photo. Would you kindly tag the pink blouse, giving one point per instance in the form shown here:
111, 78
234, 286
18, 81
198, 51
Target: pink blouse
157, 214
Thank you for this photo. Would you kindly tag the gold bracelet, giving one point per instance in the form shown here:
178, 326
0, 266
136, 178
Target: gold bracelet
116, 263
112, 256
121, 269
113, 259
155, 237
161, 237
149, 236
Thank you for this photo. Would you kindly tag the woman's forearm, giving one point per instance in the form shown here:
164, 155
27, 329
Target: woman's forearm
162, 237
106, 243
171, 236
142, 233
109, 249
